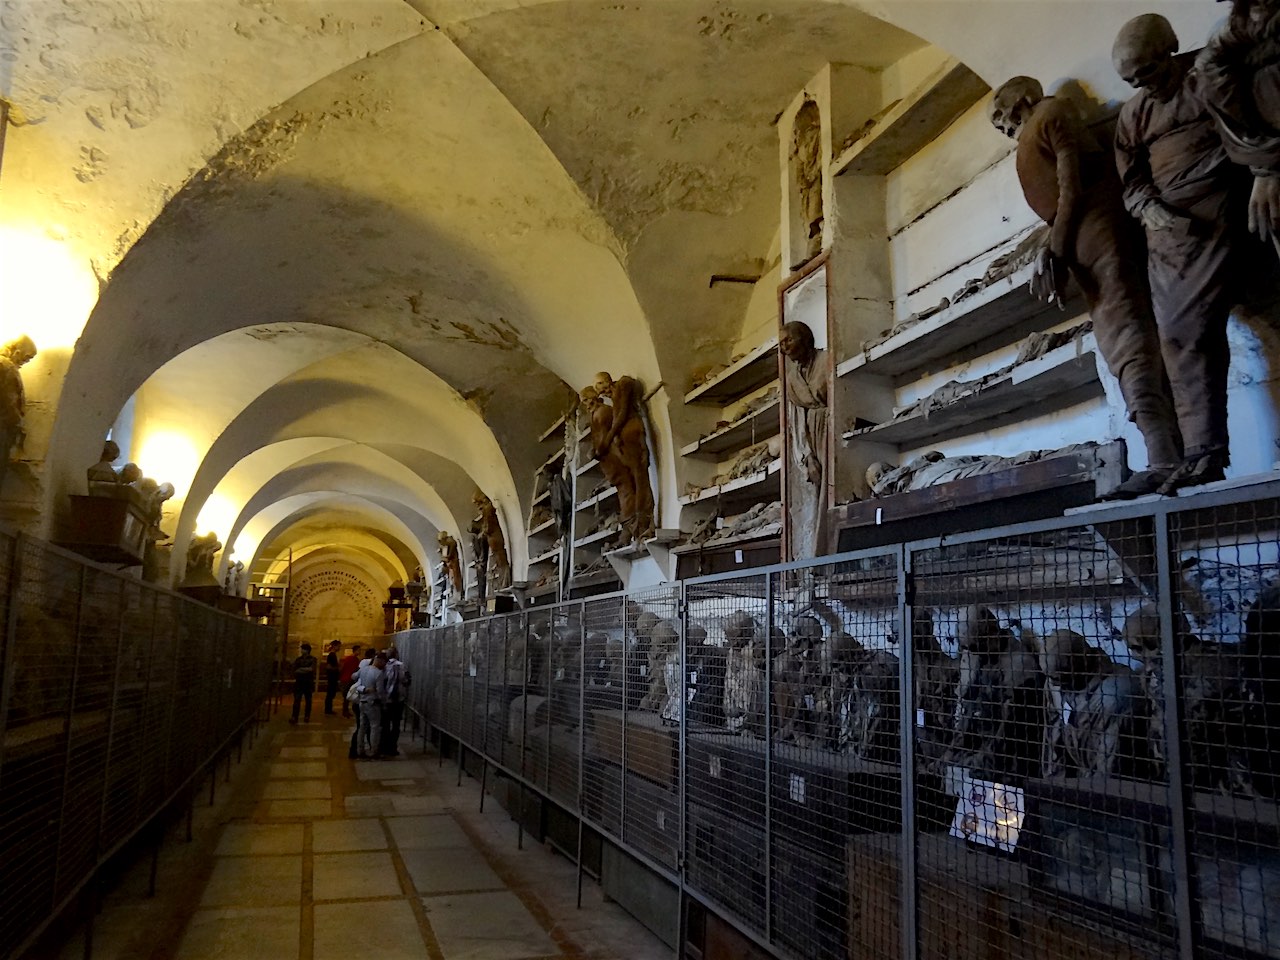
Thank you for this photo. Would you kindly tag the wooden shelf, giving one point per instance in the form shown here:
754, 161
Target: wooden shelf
913, 121
1063, 376
543, 527
760, 424
551, 554
996, 315
586, 467
550, 431
727, 543
741, 485
599, 498
544, 495
750, 372
596, 537
558, 455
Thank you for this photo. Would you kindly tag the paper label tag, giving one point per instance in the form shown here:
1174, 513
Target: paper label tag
808, 701
879, 515
644, 669
797, 788
560, 674
693, 677
662, 820
713, 767
602, 662
1066, 712
920, 717
471, 670
737, 556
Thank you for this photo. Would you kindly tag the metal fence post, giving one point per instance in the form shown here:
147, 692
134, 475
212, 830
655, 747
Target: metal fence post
582, 732
908, 918
1185, 899
10, 641
111, 726
72, 690
682, 794
768, 758
524, 734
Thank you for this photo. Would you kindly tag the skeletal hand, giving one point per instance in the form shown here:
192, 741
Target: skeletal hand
1048, 278
1156, 216
1264, 207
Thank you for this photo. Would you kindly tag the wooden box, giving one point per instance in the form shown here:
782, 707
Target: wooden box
106, 529
652, 749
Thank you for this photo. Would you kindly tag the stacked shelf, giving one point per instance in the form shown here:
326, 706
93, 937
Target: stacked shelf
747, 393
994, 316
594, 499
913, 121
543, 537
1062, 377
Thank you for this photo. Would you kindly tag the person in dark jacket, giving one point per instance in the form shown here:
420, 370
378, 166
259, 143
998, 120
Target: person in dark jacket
332, 671
304, 683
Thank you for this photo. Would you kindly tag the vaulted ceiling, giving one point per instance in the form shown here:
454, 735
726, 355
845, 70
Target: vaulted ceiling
333, 264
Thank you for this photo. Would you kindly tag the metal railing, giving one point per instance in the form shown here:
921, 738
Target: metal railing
1057, 739
117, 695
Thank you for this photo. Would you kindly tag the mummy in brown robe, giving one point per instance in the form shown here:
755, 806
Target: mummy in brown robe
807, 414
1240, 71
1184, 189
1070, 181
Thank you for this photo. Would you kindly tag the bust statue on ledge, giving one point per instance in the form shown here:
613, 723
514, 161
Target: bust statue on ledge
102, 476
200, 554
13, 398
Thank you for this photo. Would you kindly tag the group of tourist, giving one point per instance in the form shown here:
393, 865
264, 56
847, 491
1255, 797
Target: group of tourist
373, 687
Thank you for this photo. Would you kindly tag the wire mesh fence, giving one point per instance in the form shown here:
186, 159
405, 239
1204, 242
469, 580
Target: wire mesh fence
114, 695
1055, 740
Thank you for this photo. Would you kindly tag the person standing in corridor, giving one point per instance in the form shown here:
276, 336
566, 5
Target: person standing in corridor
371, 679
304, 683
332, 671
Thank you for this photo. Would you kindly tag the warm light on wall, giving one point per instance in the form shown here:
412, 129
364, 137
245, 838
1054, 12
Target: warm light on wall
218, 513
45, 290
172, 456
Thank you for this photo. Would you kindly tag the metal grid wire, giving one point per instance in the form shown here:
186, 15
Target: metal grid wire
1227, 642
1041, 797
725, 779
114, 694
610, 679
561, 737
834, 733
1089, 713
650, 725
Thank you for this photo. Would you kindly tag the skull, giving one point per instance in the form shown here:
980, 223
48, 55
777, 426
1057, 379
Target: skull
1143, 55
1013, 103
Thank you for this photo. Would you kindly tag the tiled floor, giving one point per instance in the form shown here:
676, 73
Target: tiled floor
318, 857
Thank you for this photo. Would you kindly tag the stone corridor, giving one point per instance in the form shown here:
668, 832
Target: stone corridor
308, 854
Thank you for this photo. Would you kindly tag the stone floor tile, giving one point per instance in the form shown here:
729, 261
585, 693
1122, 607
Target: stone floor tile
427, 832
368, 805
354, 876
254, 881
290, 809
344, 836
418, 805
450, 869
303, 753
236, 933
294, 770
297, 790
486, 926
394, 937
389, 770
296, 737
241, 839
